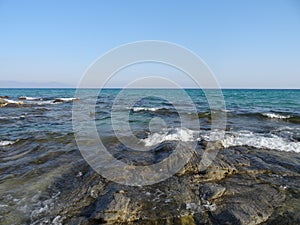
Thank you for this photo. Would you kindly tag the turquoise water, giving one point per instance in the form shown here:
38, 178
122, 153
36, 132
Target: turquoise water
37, 144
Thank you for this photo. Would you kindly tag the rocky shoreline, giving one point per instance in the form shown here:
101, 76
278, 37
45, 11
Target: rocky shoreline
242, 186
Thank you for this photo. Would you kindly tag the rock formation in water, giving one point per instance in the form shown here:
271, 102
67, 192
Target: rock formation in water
4, 102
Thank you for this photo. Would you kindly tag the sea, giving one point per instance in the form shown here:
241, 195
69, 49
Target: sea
38, 146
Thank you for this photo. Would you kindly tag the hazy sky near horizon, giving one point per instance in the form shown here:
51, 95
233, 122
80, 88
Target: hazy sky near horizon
247, 44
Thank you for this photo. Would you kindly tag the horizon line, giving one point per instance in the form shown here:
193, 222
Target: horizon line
171, 88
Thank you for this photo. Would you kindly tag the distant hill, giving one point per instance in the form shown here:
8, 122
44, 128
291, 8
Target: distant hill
16, 84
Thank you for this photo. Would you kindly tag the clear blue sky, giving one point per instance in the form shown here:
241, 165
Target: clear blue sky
246, 43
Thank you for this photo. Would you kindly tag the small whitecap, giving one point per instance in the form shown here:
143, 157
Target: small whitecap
5, 143
275, 116
137, 109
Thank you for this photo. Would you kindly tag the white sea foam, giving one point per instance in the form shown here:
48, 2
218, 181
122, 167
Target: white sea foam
177, 134
13, 102
5, 143
11, 117
226, 110
137, 109
275, 116
53, 102
30, 98
260, 141
46, 102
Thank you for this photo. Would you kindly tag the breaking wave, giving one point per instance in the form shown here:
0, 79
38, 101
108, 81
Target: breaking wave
30, 98
276, 116
177, 134
256, 140
137, 109
5, 143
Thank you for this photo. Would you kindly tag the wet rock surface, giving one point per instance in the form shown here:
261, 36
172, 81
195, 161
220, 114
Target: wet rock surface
5, 102
242, 186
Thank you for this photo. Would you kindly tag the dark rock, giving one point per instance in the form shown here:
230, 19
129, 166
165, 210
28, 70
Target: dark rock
58, 101
241, 186
212, 191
